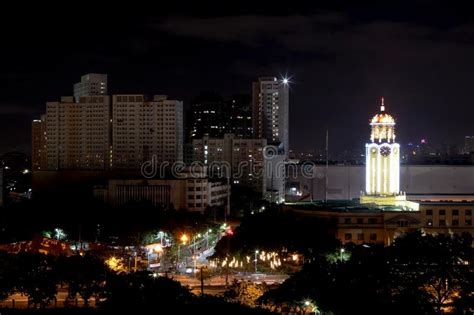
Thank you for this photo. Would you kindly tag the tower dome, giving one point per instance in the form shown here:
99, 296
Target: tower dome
383, 126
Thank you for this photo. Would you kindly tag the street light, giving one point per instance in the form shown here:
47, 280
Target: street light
195, 261
314, 308
207, 238
256, 253
342, 252
184, 238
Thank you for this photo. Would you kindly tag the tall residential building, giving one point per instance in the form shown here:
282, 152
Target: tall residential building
144, 129
243, 157
91, 84
38, 144
270, 111
468, 144
78, 133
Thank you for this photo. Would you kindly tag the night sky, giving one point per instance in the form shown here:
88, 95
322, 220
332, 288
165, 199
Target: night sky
341, 60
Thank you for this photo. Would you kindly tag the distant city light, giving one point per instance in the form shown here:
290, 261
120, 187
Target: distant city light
285, 81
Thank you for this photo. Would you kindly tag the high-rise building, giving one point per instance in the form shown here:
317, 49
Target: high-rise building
91, 84
243, 158
145, 129
211, 115
207, 116
270, 111
78, 134
382, 167
38, 144
468, 144
240, 115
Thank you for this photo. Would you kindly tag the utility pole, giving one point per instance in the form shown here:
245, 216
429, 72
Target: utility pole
327, 167
227, 208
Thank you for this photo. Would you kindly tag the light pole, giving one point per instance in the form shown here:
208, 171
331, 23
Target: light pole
256, 253
342, 252
207, 238
184, 238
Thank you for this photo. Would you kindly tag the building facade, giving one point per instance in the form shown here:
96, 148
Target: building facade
38, 144
194, 194
78, 133
91, 84
243, 158
143, 130
211, 115
371, 225
270, 107
95, 131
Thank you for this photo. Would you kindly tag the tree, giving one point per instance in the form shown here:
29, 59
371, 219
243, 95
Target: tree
141, 291
434, 268
84, 275
8, 274
36, 278
245, 292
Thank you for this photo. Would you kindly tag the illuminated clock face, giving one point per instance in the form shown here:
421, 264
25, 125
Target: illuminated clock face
385, 150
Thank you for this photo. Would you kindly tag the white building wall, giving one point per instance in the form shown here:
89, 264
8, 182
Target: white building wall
347, 182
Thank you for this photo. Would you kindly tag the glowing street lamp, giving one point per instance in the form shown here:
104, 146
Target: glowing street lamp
184, 239
342, 252
308, 303
158, 248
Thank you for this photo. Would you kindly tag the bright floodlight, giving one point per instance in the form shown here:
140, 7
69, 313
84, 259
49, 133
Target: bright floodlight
285, 80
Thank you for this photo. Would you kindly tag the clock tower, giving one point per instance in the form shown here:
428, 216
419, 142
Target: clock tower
382, 167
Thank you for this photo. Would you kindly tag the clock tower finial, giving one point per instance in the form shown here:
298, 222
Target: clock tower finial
382, 106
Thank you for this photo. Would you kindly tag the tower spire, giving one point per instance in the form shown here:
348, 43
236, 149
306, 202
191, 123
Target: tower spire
382, 106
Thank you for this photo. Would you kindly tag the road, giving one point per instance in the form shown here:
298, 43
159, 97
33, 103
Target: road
21, 301
213, 286
192, 282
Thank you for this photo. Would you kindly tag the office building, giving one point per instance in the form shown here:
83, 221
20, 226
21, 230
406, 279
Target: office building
207, 116
239, 113
243, 157
38, 144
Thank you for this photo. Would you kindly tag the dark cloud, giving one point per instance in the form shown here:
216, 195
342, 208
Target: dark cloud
342, 58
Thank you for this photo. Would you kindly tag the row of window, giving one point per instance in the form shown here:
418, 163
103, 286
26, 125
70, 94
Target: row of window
198, 188
454, 222
360, 237
360, 221
453, 212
